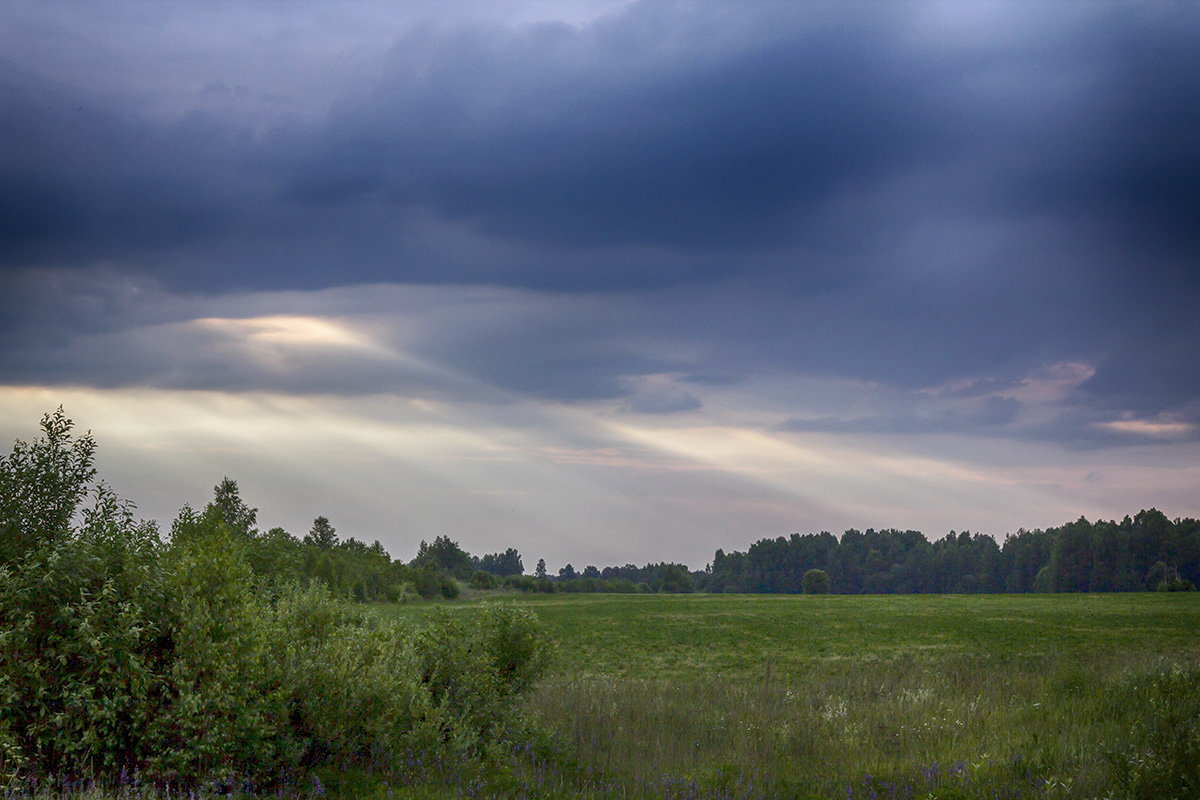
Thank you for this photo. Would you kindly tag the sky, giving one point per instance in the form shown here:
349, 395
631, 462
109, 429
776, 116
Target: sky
609, 282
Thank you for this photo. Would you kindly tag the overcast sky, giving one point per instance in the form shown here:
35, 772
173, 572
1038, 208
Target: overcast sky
607, 281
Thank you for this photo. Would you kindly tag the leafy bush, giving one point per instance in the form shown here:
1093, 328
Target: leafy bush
484, 580
118, 652
475, 665
522, 583
81, 647
431, 582
816, 581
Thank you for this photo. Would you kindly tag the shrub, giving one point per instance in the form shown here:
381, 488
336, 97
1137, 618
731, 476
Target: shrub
431, 582
227, 713
476, 664
352, 682
815, 581
522, 583
82, 611
484, 580
1176, 585
81, 648
401, 592
119, 653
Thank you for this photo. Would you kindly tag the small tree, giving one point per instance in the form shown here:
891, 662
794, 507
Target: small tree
229, 507
322, 535
816, 581
502, 564
676, 578
42, 485
445, 554
540, 570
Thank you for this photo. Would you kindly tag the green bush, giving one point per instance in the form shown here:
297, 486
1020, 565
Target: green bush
815, 581
431, 582
82, 645
476, 664
484, 580
42, 485
227, 714
119, 653
352, 688
522, 583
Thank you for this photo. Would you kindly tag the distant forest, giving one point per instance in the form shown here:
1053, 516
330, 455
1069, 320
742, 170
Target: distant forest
1145, 552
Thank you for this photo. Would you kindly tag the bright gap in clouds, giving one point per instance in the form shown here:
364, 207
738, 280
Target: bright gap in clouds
291, 330
573, 483
1158, 428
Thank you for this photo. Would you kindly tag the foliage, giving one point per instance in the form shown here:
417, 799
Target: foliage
42, 484
431, 583
446, 555
322, 535
1137, 554
816, 581
228, 507
502, 564
676, 578
484, 580
82, 639
476, 665
184, 663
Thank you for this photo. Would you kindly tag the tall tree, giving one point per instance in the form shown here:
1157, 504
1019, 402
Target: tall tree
445, 554
228, 506
503, 564
322, 535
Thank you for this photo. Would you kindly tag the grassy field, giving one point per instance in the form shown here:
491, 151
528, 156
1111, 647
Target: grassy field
877, 696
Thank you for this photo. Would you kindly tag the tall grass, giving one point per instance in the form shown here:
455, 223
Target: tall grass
858, 697
980, 725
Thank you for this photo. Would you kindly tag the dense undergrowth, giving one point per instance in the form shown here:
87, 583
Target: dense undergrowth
124, 658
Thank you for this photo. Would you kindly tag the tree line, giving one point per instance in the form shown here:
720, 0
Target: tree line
1145, 552
354, 570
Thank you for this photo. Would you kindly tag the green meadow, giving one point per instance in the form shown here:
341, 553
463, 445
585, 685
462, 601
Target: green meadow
864, 696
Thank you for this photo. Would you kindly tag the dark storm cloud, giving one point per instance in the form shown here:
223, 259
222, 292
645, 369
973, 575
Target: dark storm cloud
1136, 145
724, 190
82, 183
611, 137
717, 129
